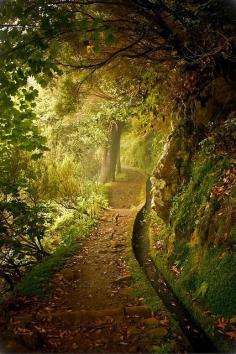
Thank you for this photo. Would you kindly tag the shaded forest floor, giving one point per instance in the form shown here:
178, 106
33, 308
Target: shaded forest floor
95, 305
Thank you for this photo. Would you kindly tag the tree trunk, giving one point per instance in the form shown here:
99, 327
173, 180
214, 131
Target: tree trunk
118, 165
111, 154
105, 172
115, 147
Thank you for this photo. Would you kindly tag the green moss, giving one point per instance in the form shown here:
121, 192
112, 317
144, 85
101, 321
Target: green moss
143, 289
140, 284
217, 269
212, 266
180, 254
205, 276
187, 204
202, 264
196, 309
165, 348
201, 238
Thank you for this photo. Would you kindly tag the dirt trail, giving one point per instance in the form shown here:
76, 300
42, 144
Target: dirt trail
93, 307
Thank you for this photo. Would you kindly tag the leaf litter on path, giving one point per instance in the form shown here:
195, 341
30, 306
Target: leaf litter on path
102, 271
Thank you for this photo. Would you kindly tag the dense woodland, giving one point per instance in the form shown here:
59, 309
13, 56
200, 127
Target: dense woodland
88, 88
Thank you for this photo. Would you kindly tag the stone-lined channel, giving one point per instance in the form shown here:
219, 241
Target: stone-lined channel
199, 341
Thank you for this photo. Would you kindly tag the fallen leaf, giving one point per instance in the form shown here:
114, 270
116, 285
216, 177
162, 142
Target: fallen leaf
221, 323
232, 335
164, 322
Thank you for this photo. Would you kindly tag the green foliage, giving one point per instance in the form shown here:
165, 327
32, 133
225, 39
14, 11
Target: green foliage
155, 105
221, 137
37, 191
142, 152
71, 224
201, 291
32, 42
180, 252
24, 220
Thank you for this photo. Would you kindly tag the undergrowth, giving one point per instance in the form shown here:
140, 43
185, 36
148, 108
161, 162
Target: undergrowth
63, 240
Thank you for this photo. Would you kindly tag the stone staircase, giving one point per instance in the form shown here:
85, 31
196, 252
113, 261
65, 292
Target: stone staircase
130, 329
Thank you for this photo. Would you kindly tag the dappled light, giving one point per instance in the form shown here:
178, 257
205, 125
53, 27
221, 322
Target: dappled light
117, 176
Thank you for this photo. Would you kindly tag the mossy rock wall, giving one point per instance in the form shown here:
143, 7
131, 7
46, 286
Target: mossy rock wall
171, 170
194, 193
174, 166
203, 223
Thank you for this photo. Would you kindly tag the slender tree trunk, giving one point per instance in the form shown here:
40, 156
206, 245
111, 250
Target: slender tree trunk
105, 174
115, 147
111, 154
118, 165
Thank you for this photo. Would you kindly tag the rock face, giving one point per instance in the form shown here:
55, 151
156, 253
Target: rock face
194, 193
173, 168
216, 226
171, 171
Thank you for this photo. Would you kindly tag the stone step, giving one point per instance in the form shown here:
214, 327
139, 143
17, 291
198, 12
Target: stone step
88, 317
141, 311
105, 323
83, 318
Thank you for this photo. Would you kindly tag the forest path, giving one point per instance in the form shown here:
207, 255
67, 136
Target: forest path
93, 307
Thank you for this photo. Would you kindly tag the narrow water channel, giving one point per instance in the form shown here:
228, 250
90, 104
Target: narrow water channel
199, 341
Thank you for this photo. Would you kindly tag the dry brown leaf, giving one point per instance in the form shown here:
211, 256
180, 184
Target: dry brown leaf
221, 323
164, 322
232, 335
